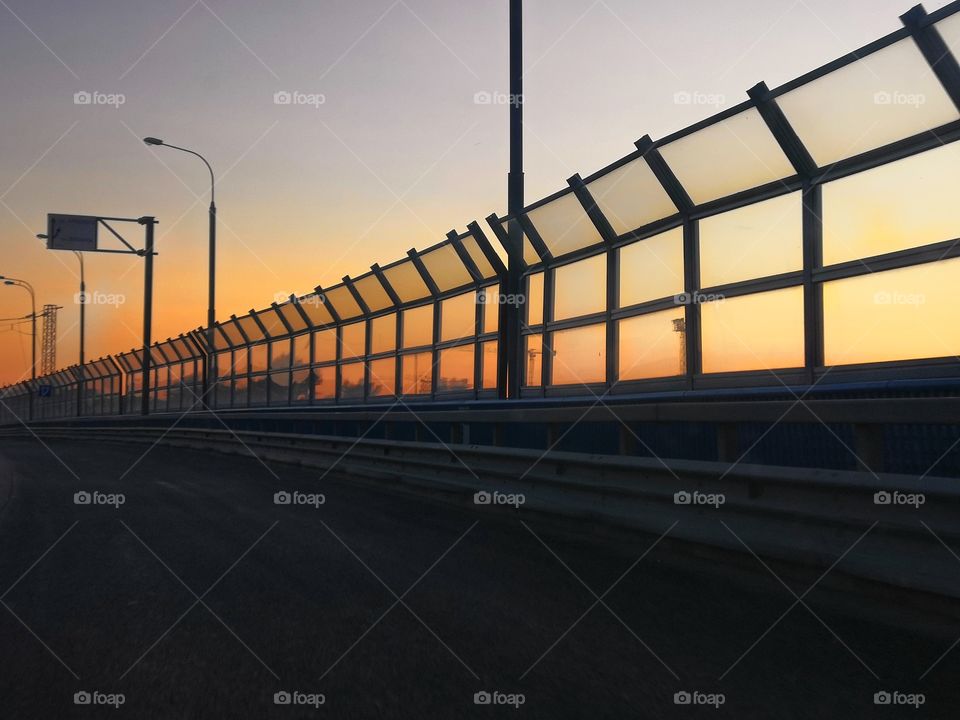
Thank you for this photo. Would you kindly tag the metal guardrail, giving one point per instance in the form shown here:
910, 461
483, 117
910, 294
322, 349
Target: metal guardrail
804, 516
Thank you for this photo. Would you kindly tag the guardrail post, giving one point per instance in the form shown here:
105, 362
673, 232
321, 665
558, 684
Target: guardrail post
727, 442
868, 443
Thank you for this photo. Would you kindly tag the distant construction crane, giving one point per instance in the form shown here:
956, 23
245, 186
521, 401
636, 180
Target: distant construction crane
48, 347
680, 327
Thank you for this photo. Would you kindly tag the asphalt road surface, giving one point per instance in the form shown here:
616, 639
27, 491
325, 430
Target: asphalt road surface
199, 597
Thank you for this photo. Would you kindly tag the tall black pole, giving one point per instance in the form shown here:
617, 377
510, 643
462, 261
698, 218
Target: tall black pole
208, 379
515, 310
83, 325
147, 313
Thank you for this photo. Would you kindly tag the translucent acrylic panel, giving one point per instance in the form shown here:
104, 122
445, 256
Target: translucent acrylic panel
579, 355
279, 354
233, 334
446, 268
300, 387
353, 340
530, 256
241, 361
418, 326
534, 299
564, 225
904, 204
488, 365
753, 332
188, 372
325, 382
175, 374
382, 376
250, 328
258, 358
325, 345
491, 308
631, 197
258, 390
293, 317
456, 369
342, 300
903, 314
417, 372
652, 346
160, 377
224, 364
383, 334
727, 157
887, 96
765, 238
458, 316
372, 292
352, 380
241, 392
223, 394
301, 350
949, 29
580, 288
651, 269
279, 388
270, 319
406, 281
315, 307
533, 360
472, 247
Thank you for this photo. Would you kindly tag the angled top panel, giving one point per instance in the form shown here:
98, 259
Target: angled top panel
564, 225
232, 332
270, 319
631, 196
293, 317
446, 268
343, 302
314, 306
472, 247
530, 255
250, 328
406, 281
372, 292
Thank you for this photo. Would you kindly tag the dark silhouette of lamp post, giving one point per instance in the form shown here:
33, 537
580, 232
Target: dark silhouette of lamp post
14, 282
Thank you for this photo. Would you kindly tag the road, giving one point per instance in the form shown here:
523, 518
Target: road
199, 597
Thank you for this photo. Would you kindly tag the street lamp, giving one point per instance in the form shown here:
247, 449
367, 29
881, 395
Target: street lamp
14, 282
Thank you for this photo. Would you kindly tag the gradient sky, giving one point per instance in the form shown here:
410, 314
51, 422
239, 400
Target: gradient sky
397, 155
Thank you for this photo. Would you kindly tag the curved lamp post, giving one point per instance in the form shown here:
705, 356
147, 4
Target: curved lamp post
14, 282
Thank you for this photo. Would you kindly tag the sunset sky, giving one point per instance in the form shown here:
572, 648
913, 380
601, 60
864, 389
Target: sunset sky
398, 153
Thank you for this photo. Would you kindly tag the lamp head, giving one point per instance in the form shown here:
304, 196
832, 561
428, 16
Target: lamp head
153, 141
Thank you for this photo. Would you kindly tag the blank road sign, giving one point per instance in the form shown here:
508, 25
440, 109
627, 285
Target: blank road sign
71, 232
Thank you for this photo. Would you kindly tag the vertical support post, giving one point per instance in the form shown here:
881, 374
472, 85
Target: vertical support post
691, 318
514, 352
83, 326
148, 222
812, 292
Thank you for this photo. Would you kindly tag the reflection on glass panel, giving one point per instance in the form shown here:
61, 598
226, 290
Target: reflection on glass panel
406, 281
472, 247
631, 196
258, 358
533, 353
353, 340
301, 350
372, 292
417, 370
351, 380
241, 395
530, 256
343, 302
904, 314
458, 316
887, 96
742, 145
300, 387
258, 390
446, 268
491, 308
580, 288
418, 326
293, 317
241, 361
280, 388
270, 320
652, 346
222, 394
325, 382
535, 299
160, 377
383, 334
904, 204
652, 269
188, 371
315, 308
456, 369
382, 376
579, 355
564, 225
224, 364
753, 332
279, 354
174, 373
765, 238
488, 365
325, 345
